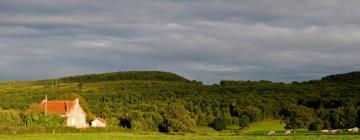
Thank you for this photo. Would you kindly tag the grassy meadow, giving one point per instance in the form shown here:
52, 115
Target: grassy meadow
127, 136
256, 131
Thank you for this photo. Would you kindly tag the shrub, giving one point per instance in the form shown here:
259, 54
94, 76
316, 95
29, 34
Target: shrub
36, 117
244, 121
9, 118
219, 124
112, 122
316, 125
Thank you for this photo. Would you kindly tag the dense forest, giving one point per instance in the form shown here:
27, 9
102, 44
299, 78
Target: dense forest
166, 102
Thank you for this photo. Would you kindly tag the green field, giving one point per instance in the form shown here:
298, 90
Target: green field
256, 131
125, 136
262, 128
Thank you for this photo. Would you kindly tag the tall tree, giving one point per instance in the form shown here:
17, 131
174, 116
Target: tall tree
296, 117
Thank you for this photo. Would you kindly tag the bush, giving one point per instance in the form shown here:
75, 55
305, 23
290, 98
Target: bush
244, 121
112, 122
316, 125
219, 124
36, 117
9, 118
141, 121
201, 119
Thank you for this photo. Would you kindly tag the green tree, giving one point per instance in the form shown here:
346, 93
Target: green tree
253, 112
177, 118
296, 117
350, 116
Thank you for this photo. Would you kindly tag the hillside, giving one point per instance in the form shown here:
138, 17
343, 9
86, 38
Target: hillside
349, 78
129, 75
162, 101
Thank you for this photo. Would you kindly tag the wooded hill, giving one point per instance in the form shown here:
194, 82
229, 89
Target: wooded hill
163, 101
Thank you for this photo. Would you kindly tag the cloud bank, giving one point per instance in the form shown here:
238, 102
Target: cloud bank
208, 40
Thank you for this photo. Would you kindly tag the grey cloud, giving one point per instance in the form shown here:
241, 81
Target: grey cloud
211, 40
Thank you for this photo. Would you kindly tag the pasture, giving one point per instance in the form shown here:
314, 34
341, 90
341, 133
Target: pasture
256, 131
126, 136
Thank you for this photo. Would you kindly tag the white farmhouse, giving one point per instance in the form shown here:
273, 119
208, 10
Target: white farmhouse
71, 110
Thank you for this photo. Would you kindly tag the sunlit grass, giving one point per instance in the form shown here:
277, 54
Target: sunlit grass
263, 127
257, 131
126, 136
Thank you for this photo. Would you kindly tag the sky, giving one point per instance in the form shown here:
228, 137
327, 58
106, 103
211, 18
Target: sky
207, 40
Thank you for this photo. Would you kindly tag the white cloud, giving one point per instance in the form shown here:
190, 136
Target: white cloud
219, 68
93, 44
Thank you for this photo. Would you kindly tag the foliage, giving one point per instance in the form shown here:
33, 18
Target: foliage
10, 118
130, 75
244, 121
177, 118
219, 124
351, 78
34, 117
316, 125
146, 100
296, 117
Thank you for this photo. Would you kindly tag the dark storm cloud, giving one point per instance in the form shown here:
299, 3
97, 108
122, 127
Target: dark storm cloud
281, 40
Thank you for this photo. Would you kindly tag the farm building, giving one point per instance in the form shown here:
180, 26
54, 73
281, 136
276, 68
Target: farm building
98, 122
71, 110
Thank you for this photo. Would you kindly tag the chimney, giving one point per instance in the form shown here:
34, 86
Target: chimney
46, 104
76, 100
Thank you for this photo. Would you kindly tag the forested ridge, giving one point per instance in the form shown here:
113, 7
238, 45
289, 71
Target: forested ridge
163, 101
129, 75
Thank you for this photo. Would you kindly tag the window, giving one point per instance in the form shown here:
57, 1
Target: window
72, 121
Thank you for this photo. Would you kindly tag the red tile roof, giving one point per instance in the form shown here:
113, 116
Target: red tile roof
60, 107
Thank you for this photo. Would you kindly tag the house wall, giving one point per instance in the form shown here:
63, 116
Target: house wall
97, 123
76, 117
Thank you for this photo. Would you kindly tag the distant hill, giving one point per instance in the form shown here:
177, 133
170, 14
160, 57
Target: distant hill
128, 75
350, 78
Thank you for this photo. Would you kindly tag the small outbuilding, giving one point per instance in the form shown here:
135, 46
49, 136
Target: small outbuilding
98, 122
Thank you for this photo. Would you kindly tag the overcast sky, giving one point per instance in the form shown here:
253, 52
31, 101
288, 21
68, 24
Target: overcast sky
208, 40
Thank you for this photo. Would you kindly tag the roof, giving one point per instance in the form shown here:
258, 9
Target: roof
61, 107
